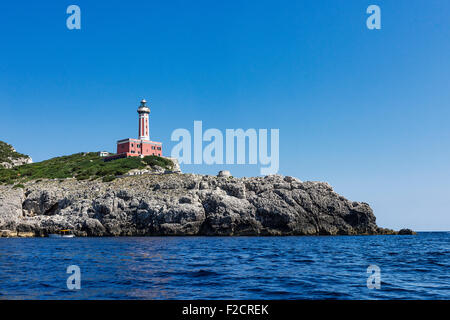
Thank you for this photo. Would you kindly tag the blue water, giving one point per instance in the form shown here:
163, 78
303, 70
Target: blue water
412, 267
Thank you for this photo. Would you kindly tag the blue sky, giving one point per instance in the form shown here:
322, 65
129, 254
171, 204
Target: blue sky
366, 110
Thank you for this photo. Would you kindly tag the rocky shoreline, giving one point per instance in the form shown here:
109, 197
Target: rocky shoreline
183, 204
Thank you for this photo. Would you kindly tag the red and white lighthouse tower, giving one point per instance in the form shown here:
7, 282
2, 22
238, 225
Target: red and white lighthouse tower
143, 111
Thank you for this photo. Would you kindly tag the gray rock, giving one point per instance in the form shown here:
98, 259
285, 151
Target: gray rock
176, 165
406, 232
11, 158
224, 173
183, 204
16, 162
10, 207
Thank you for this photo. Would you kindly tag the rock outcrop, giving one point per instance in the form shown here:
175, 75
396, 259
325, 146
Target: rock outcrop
183, 204
10, 158
406, 232
224, 173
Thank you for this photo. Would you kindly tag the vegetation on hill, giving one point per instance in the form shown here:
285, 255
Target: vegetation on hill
81, 166
7, 153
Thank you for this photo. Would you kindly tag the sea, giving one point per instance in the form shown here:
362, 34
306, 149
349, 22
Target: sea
316, 267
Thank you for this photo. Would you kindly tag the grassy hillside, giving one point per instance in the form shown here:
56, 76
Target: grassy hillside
81, 166
7, 153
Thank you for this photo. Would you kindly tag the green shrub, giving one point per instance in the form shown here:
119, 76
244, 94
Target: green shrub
120, 172
108, 178
17, 186
158, 161
82, 166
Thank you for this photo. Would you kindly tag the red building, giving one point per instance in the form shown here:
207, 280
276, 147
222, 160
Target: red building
142, 146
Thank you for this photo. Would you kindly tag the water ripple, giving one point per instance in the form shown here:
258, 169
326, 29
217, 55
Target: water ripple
415, 267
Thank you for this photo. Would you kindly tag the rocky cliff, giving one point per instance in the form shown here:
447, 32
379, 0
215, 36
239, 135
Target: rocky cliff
182, 204
10, 158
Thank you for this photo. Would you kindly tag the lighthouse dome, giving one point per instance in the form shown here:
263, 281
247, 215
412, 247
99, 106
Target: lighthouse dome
143, 107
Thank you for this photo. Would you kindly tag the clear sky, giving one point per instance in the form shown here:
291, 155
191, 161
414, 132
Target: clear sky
366, 110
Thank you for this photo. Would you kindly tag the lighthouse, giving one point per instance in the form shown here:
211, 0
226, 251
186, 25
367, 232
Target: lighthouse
143, 111
142, 146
